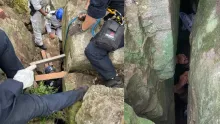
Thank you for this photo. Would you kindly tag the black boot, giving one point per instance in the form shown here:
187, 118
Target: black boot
83, 90
114, 82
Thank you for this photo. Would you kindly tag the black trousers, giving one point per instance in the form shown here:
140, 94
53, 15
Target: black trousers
25, 106
99, 58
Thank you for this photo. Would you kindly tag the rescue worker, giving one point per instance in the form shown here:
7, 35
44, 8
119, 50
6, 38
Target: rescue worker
19, 108
53, 25
99, 57
38, 13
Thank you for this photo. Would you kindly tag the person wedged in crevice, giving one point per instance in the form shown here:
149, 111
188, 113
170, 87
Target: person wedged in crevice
97, 54
186, 18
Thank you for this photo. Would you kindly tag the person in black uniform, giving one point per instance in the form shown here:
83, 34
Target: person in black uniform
99, 57
19, 108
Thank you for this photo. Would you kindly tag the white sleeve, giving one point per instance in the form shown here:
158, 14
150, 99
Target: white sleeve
36, 4
48, 26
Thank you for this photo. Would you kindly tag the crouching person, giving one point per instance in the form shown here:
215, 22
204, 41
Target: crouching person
54, 25
96, 52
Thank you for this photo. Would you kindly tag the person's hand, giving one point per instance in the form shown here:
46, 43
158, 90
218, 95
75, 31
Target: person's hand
52, 35
75, 29
48, 16
25, 76
184, 78
82, 15
182, 59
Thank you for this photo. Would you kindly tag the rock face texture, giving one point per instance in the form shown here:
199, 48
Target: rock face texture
58, 3
131, 117
20, 37
21, 6
150, 57
73, 81
204, 65
75, 45
101, 105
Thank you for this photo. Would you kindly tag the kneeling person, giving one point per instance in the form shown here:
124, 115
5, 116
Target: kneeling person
54, 25
99, 57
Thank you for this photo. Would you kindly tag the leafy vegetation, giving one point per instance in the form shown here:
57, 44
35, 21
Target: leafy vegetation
44, 90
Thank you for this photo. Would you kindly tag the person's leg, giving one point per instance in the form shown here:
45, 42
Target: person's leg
100, 61
59, 33
36, 21
27, 107
9, 62
36, 24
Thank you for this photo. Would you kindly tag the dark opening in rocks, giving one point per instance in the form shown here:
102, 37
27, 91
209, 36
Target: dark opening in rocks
186, 16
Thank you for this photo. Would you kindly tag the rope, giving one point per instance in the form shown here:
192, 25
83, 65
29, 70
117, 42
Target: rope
73, 20
67, 31
95, 26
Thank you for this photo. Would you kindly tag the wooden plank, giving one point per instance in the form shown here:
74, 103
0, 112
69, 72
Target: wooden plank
44, 56
48, 56
48, 60
50, 76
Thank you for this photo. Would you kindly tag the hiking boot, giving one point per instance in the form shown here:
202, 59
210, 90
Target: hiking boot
82, 89
114, 82
43, 47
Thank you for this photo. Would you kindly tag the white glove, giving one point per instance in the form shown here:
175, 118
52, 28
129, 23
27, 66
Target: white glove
25, 76
48, 16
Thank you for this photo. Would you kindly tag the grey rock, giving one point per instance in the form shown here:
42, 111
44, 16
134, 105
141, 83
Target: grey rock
20, 37
75, 45
101, 105
150, 50
204, 73
58, 3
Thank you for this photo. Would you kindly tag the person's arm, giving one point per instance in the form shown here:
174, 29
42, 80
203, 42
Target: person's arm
89, 21
178, 87
38, 7
48, 26
87, 5
13, 86
43, 12
182, 81
96, 10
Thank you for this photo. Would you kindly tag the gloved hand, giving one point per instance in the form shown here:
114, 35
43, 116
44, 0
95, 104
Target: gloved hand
25, 76
82, 15
48, 16
75, 29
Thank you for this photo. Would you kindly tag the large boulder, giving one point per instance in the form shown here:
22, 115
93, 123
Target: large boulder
75, 45
73, 81
20, 37
132, 118
204, 76
101, 105
58, 3
151, 37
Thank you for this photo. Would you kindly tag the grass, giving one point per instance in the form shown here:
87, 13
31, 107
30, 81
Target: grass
44, 90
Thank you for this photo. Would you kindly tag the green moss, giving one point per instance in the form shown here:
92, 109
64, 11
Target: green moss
72, 111
132, 118
21, 6
44, 90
